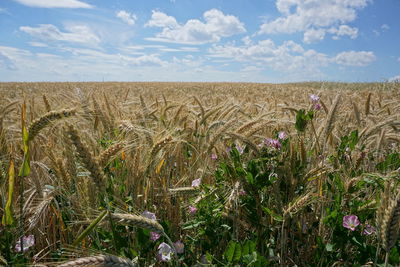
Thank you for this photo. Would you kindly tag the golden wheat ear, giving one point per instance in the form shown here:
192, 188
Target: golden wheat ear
138, 221
40, 123
99, 261
89, 161
390, 224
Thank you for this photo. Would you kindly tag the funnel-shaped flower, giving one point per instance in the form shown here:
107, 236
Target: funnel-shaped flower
350, 222
28, 241
164, 252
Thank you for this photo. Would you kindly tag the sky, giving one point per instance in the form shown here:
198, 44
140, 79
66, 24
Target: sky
209, 40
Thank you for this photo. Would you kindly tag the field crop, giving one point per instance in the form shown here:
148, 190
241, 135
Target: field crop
199, 174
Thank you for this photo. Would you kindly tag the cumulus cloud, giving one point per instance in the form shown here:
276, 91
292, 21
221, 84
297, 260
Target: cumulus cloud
313, 35
343, 30
355, 58
81, 34
216, 26
54, 3
395, 79
126, 17
160, 19
289, 57
315, 18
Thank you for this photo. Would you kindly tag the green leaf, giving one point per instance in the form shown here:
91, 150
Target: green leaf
25, 169
261, 262
7, 216
248, 247
275, 216
301, 120
233, 251
353, 140
250, 178
89, 228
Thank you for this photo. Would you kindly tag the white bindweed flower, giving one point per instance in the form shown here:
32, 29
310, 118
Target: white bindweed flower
28, 241
164, 252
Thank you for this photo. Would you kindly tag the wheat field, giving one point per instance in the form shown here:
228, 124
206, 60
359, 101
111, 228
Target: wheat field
239, 174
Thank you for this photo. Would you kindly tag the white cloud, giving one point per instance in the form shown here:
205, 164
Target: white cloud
126, 17
55, 3
289, 57
344, 30
160, 19
355, 58
313, 35
314, 17
6, 62
216, 26
385, 27
395, 79
38, 44
76, 34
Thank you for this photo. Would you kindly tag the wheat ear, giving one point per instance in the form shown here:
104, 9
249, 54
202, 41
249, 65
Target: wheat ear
356, 113
142, 222
368, 104
111, 151
46, 103
390, 224
87, 158
99, 261
330, 118
40, 123
138, 221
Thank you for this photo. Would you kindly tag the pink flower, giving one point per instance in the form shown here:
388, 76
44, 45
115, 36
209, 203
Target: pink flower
368, 230
239, 149
164, 252
273, 143
242, 192
192, 209
282, 135
196, 182
314, 98
350, 222
149, 215
179, 247
28, 241
214, 156
154, 236
317, 106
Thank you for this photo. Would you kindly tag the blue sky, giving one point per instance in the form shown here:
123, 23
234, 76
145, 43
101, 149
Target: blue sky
209, 40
